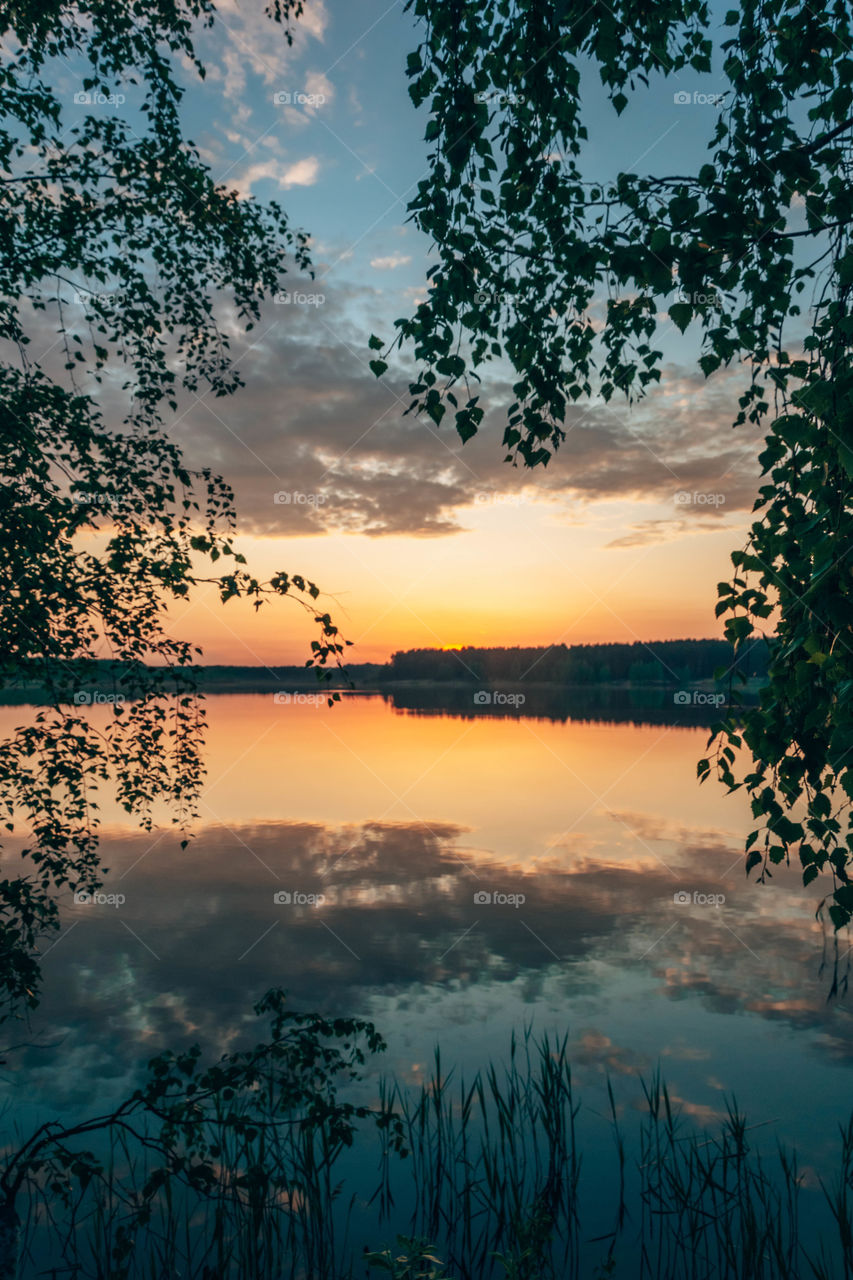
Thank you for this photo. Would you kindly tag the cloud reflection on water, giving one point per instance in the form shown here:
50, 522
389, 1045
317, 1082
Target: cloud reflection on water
200, 935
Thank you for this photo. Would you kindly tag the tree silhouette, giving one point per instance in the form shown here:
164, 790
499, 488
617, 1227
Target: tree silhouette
749, 250
116, 242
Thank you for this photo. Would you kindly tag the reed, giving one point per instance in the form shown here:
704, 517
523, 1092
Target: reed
484, 1178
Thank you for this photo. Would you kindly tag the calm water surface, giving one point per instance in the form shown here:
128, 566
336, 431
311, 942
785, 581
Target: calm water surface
400, 821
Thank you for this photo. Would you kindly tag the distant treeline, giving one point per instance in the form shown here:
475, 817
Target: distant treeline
660, 662
669, 663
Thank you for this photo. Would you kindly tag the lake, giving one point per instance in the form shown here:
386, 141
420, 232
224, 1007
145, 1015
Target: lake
454, 876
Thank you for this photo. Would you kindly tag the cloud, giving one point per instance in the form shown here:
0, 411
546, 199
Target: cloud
258, 172
243, 40
304, 173
313, 419
390, 263
319, 87
315, 19
646, 532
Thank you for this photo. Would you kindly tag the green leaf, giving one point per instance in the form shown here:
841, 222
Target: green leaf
681, 313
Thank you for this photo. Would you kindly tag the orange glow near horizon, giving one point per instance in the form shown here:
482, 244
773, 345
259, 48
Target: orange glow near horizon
543, 584
534, 576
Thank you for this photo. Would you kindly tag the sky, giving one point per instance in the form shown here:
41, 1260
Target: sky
414, 539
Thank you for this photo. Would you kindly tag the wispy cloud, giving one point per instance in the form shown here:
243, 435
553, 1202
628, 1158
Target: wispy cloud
391, 262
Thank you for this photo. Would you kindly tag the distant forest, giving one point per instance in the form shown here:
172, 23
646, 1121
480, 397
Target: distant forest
666, 663
660, 662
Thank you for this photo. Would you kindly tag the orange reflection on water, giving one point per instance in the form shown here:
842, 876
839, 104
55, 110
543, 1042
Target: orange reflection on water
523, 787
520, 788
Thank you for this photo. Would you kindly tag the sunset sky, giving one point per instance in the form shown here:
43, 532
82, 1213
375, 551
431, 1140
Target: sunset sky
417, 540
